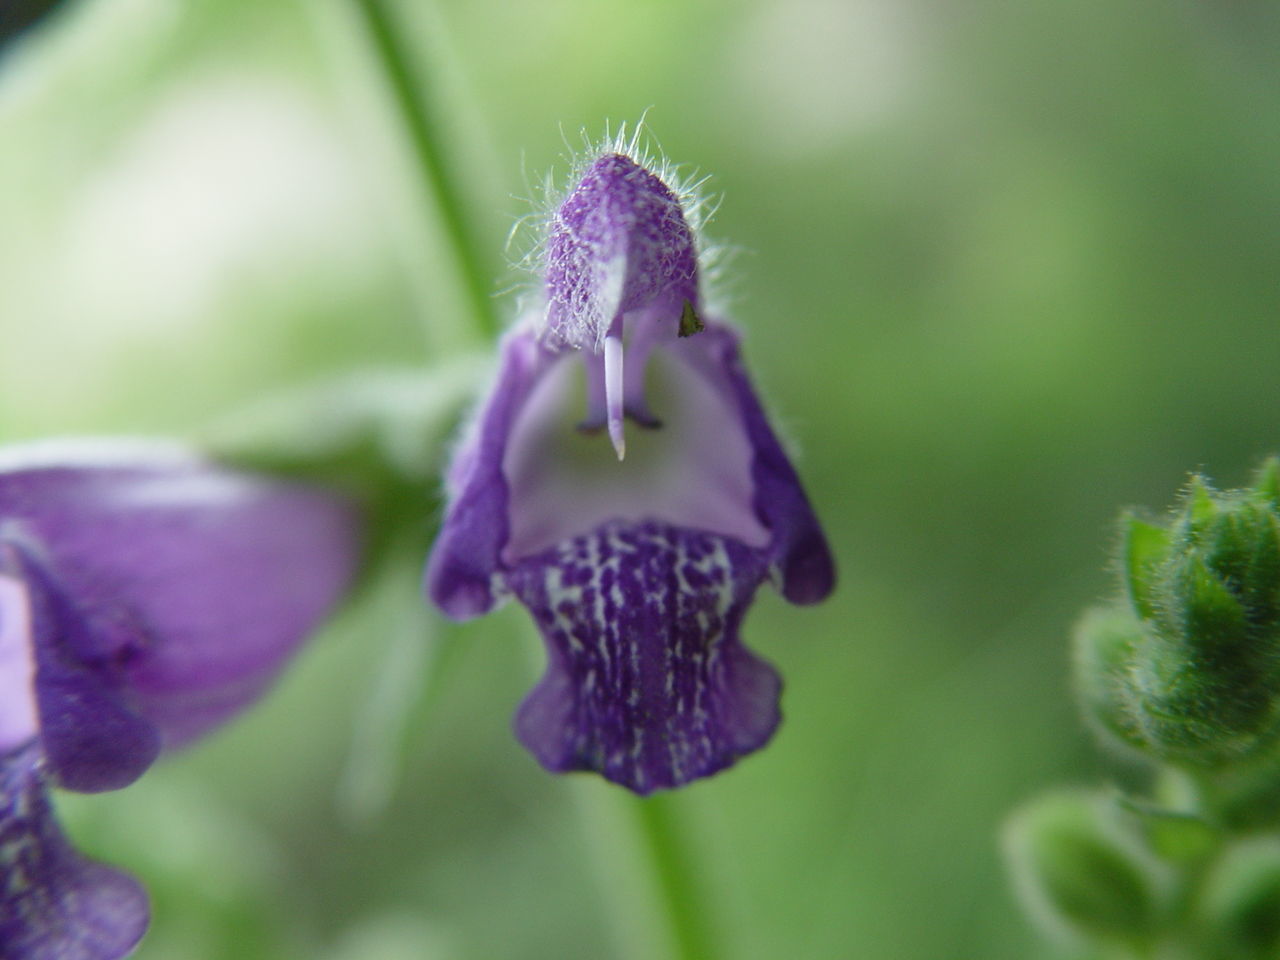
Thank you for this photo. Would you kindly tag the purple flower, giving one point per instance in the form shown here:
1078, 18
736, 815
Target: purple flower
146, 596
637, 570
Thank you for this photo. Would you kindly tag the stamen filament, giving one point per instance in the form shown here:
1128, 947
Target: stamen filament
613, 393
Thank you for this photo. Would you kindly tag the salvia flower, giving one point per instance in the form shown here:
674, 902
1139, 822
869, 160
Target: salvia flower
636, 555
146, 596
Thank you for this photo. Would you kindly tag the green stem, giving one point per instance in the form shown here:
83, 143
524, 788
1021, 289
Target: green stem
648, 877
425, 134
675, 877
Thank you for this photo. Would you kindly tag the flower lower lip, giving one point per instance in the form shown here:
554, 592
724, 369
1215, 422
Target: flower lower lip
647, 682
51, 898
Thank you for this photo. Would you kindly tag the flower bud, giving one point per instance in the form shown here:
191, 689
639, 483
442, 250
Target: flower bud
1189, 668
1078, 872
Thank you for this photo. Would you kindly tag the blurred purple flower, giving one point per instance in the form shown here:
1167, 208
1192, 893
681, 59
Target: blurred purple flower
638, 571
146, 596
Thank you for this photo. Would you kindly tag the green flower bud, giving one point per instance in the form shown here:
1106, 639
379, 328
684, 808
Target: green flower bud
1239, 908
1080, 874
1189, 668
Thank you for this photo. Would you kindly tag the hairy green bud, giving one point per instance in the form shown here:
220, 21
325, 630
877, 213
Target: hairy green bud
1188, 669
1079, 873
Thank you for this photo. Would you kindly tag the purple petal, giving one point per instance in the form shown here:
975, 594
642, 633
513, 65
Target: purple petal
467, 553
90, 739
55, 904
799, 557
186, 586
647, 682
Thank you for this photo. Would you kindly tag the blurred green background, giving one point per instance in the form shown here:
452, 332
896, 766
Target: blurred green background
1004, 269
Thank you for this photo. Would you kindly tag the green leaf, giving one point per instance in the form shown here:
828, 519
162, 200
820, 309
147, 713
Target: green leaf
1201, 506
1267, 483
1240, 905
1145, 546
1179, 837
1214, 620
1076, 870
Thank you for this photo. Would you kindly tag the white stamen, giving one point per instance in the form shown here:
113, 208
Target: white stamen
613, 392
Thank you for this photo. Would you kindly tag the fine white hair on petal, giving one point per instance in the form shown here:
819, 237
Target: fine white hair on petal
526, 242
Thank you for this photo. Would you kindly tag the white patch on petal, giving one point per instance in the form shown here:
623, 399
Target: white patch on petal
694, 472
18, 716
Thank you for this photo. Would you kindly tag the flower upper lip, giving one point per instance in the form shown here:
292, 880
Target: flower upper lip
621, 277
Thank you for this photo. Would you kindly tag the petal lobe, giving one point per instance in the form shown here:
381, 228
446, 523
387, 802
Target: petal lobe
647, 680
55, 904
